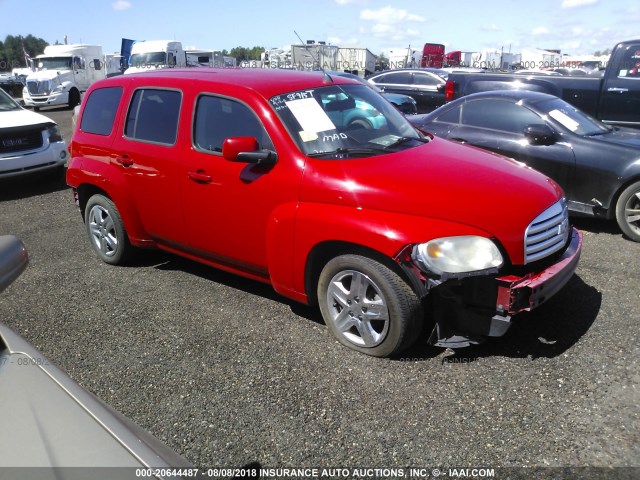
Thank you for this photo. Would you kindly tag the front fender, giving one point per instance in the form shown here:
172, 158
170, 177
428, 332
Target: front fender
385, 232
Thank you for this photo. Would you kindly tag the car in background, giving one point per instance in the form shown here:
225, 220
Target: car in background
597, 165
29, 141
404, 103
49, 421
424, 85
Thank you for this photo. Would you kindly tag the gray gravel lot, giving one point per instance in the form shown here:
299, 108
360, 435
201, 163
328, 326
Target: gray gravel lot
227, 372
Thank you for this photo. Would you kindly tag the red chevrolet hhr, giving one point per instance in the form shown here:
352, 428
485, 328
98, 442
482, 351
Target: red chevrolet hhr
318, 186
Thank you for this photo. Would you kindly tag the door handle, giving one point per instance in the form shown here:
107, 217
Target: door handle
199, 177
617, 89
124, 160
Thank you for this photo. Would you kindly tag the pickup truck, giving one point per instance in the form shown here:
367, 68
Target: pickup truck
613, 98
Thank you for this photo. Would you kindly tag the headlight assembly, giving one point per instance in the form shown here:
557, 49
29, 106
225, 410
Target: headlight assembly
53, 133
462, 254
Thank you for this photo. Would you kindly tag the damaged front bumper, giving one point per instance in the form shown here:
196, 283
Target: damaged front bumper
463, 317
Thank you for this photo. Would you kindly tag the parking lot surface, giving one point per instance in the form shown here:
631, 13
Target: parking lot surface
227, 372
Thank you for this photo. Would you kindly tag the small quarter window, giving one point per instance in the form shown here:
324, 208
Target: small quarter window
100, 110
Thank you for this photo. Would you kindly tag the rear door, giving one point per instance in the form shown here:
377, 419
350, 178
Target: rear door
428, 91
148, 155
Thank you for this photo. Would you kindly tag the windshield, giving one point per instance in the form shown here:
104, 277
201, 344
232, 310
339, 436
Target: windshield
7, 103
54, 63
572, 119
341, 121
151, 58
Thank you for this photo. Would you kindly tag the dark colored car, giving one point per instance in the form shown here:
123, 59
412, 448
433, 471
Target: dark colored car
425, 85
597, 165
404, 103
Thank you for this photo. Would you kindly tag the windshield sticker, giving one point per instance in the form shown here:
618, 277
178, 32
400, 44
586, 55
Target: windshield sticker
564, 119
386, 140
310, 115
308, 136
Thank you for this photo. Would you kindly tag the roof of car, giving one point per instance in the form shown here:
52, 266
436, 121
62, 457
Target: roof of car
267, 82
526, 95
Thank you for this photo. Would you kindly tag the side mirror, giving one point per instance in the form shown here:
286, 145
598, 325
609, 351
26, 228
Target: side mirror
540, 134
246, 150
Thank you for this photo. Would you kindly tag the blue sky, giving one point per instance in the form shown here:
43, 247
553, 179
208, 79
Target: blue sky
574, 26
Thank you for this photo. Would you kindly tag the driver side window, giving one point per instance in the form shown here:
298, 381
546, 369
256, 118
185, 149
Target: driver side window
218, 118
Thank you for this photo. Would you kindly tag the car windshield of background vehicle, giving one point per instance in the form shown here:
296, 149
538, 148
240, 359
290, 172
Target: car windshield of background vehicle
343, 121
7, 103
572, 119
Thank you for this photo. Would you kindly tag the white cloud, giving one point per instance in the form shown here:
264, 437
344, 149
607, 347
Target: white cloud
540, 31
121, 5
490, 28
577, 3
390, 15
354, 2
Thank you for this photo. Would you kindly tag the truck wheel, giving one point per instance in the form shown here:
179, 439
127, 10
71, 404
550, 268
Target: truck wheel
628, 211
368, 307
106, 231
74, 98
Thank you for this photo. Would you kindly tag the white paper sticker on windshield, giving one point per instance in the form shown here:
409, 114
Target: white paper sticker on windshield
310, 115
564, 119
308, 136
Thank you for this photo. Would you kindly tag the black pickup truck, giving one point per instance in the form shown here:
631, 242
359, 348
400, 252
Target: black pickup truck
613, 98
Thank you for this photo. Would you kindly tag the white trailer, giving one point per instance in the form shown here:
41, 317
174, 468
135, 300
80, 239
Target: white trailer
62, 73
153, 54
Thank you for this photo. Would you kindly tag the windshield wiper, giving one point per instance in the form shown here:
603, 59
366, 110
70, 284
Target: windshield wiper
344, 152
402, 140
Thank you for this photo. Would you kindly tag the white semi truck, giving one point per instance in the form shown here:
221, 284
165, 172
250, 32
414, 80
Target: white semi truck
153, 54
62, 73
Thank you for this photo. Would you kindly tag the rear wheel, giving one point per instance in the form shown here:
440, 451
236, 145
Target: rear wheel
628, 211
106, 231
367, 306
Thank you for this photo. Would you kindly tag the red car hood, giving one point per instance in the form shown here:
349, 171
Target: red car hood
442, 180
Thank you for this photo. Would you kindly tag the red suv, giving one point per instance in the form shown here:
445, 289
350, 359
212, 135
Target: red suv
320, 187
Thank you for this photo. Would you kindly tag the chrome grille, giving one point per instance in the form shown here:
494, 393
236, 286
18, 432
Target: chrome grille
548, 232
39, 87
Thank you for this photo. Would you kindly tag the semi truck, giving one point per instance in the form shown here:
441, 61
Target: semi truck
154, 54
61, 74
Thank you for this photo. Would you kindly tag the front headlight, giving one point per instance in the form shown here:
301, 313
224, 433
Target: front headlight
457, 255
54, 134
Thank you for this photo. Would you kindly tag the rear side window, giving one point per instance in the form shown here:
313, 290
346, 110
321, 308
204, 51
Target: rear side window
100, 110
220, 118
402, 78
426, 79
498, 115
153, 116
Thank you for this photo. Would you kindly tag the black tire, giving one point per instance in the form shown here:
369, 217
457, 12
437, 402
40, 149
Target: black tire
628, 211
106, 231
74, 98
380, 316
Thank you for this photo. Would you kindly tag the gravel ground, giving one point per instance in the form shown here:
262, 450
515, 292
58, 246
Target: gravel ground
227, 372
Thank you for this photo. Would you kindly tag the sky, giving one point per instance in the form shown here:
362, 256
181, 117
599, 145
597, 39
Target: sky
576, 27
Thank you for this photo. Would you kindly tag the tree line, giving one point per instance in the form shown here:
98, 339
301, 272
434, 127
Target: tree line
13, 47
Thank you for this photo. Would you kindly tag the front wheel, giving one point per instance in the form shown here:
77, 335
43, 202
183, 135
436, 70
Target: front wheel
74, 98
628, 211
106, 231
368, 307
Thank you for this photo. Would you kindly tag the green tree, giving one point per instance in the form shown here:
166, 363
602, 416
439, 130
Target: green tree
12, 54
242, 53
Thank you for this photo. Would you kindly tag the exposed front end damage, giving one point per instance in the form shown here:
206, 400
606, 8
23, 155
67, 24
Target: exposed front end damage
466, 309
